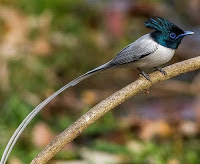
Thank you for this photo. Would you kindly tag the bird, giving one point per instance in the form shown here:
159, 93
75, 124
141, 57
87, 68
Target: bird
149, 51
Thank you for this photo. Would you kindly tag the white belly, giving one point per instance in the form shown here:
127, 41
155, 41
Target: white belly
161, 56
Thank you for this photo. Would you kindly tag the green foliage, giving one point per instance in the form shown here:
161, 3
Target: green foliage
110, 147
15, 110
38, 6
35, 71
68, 155
103, 125
151, 152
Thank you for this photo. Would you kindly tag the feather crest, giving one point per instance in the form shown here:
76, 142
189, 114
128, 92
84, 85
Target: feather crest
159, 24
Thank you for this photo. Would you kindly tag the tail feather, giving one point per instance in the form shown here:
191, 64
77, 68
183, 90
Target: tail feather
35, 111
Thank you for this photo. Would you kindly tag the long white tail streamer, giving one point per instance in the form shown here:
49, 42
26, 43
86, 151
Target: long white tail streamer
31, 115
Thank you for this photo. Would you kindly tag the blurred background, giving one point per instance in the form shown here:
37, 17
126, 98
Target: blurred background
45, 44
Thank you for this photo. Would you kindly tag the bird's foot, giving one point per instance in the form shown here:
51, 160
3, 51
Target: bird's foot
161, 70
144, 75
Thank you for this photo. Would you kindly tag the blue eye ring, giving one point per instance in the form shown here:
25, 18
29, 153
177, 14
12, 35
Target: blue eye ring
172, 35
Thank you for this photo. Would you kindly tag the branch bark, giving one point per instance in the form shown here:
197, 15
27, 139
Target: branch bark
109, 103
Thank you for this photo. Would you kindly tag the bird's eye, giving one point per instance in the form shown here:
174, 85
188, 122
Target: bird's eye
172, 35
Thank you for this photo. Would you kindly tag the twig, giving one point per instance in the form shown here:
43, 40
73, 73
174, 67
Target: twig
109, 103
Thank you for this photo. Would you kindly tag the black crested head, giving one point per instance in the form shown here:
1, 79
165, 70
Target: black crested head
166, 33
162, 25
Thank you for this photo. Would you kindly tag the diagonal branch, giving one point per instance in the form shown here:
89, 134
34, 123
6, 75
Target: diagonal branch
109, 103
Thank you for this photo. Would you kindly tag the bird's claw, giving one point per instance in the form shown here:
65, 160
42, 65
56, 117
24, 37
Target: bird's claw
161, 70
144, 75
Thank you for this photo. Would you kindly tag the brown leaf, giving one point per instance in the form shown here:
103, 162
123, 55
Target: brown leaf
89, 97
15, 160
42, 135
15, 31
151, 129
41, 46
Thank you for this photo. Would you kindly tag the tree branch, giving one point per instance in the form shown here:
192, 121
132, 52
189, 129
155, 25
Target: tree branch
109, 103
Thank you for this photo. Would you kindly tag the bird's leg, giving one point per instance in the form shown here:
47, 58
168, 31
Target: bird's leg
161, 70
144, 74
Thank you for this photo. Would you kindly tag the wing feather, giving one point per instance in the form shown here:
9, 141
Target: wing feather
136, 50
